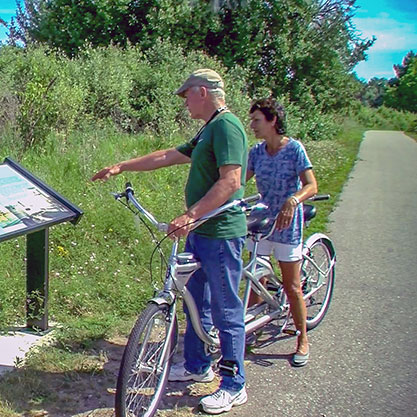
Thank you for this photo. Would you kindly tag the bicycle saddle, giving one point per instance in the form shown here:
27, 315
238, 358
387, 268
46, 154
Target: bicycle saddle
309, 212
258, 222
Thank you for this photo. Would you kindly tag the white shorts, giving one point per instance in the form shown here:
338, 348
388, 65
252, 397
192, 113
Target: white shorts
281, 251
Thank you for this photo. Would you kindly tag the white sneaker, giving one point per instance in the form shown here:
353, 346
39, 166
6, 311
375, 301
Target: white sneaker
179, 373
223, 400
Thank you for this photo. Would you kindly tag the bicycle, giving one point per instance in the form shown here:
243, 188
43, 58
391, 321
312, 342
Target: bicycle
147, 358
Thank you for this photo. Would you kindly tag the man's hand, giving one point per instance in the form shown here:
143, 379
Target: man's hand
180, 226
106, 173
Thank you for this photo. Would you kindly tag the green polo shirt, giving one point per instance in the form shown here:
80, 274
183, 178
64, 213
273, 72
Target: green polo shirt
222, 142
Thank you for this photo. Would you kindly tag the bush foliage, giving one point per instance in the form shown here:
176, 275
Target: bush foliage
43, 92
300, 51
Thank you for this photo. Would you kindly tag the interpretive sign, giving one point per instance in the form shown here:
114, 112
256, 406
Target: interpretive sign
29, 207
27, 204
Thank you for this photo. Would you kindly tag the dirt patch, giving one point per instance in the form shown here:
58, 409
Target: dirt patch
77, 394
92, 395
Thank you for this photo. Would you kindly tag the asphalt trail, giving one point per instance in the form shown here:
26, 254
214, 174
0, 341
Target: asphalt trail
363, 355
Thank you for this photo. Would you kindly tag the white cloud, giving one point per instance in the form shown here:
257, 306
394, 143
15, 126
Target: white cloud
391, 35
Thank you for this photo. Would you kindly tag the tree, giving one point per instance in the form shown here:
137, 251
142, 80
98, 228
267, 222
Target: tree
301, 49
401, 69
70, 24
373, 92
402, 93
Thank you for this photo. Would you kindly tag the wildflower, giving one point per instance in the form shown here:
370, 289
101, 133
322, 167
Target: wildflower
62, 251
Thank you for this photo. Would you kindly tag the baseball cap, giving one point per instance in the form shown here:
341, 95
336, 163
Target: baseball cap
202, 77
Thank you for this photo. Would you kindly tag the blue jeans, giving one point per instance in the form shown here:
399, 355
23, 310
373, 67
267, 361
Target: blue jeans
215, 290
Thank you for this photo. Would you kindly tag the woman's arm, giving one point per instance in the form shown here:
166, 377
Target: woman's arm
249, 175
309, 189
309, 186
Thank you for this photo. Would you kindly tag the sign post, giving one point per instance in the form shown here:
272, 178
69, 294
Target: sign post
30, 207
37, 279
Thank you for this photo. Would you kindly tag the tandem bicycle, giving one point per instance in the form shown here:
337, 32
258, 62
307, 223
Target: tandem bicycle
147, 358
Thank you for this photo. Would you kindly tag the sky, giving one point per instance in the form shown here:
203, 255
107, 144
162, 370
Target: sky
392, 22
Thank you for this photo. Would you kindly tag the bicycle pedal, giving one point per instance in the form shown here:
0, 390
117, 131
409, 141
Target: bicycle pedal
291, 332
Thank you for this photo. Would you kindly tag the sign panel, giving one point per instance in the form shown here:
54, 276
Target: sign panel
27, 204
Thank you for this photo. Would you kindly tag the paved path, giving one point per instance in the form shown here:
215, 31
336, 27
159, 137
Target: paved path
364, 361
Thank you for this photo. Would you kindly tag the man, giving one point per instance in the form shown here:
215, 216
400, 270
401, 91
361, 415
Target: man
218, 156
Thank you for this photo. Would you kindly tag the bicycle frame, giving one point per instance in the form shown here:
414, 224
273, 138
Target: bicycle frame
182, 265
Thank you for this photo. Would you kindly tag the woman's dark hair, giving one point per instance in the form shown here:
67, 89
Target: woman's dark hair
270, 108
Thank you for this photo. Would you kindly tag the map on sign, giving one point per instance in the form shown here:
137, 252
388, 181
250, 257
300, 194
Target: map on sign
26, 205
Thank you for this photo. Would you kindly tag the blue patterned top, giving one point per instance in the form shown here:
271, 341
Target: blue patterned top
277, 178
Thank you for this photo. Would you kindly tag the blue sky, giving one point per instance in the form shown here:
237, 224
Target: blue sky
392, 22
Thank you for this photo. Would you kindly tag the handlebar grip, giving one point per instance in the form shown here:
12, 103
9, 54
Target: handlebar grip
251, 198
129, 188
320, 197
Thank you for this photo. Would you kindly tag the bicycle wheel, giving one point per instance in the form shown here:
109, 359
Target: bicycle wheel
318, 274
146, 362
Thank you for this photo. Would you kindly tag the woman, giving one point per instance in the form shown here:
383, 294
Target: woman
285, 178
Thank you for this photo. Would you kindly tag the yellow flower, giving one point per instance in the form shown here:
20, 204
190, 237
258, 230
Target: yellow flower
62, 251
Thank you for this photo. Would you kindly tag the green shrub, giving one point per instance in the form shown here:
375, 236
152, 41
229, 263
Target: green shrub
39, 95
9, 105
44, 91
384, 118
49, 93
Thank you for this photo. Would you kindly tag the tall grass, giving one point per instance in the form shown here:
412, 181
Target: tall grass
99, 269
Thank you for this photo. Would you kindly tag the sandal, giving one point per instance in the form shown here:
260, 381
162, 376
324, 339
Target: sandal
299, 360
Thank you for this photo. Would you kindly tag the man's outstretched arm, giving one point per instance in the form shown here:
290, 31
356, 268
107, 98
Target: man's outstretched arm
149, 162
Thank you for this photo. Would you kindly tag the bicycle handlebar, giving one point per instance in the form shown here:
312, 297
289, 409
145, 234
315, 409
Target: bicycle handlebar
129, 195
319, 197
163, 227
251, 198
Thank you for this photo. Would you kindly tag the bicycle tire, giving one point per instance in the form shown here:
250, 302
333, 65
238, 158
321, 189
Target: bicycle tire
143, 373
320, 251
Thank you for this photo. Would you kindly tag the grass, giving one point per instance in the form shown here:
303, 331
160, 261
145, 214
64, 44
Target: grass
412, 135
99, 270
